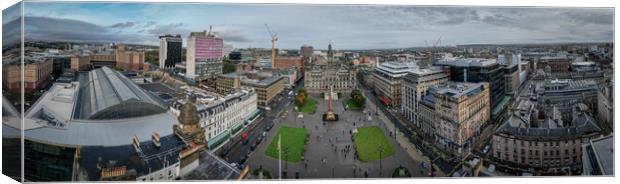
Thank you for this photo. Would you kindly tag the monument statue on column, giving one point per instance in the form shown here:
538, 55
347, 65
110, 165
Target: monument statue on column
330, 115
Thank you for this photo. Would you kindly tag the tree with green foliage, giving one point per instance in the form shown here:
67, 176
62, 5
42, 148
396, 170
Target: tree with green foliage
358, 97
152, 57
300, 100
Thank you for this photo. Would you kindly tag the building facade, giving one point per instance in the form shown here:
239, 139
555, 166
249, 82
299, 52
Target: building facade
511, 77
605, 104
286, 62
223, 117
170, 50
204, 55
453, 113
480, 70
415, 85
387, 81
266, 89
80, 63
544, 146
306, 51
36, 74
319, 78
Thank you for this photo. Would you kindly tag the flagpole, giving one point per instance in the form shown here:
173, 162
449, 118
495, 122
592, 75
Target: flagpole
280, 155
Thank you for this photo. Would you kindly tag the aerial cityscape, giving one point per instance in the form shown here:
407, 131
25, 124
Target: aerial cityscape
124, 91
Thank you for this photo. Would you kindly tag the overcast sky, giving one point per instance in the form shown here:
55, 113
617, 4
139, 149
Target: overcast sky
348, 27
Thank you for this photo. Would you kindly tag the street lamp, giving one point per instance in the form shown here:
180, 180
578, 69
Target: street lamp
381, 149
285, 151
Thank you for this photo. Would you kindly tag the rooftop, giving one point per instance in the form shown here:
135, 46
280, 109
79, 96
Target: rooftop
397, 69
212, 167
152, 158
601, 152
467, 62
108, 94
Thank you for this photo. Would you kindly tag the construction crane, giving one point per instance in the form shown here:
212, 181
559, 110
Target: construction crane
431, 49
274, 39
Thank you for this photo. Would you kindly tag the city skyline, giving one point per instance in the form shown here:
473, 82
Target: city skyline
347, 26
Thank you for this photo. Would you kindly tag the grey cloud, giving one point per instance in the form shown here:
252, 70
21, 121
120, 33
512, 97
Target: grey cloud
590, 17
233, 36
149, 24
173, 28
56, 29
11, 32
123, 25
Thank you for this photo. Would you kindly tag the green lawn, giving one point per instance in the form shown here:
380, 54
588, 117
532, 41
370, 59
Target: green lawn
350, 105
309, 107
368, 141
293, 140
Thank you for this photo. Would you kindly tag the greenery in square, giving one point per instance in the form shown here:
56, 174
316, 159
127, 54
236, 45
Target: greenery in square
351, 105
368, 141
293, 141
309, 107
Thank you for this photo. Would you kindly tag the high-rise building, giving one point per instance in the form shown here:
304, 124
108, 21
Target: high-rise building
480, 70
204, 55
453, 113
170, 50
414, 86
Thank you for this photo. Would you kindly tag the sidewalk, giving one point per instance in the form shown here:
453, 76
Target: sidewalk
404, 142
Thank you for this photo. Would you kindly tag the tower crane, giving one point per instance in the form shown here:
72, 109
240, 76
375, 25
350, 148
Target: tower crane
274, 39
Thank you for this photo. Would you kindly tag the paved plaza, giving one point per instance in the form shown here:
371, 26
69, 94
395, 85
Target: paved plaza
326, 155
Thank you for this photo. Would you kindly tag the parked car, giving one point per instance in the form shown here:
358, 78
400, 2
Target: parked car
253, 146
486, 149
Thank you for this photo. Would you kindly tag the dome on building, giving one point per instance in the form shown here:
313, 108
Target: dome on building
189, 113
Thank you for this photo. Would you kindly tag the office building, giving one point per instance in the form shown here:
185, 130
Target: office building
204, 55
170, 50
387, 81
480, 70
414, 86
453, 114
